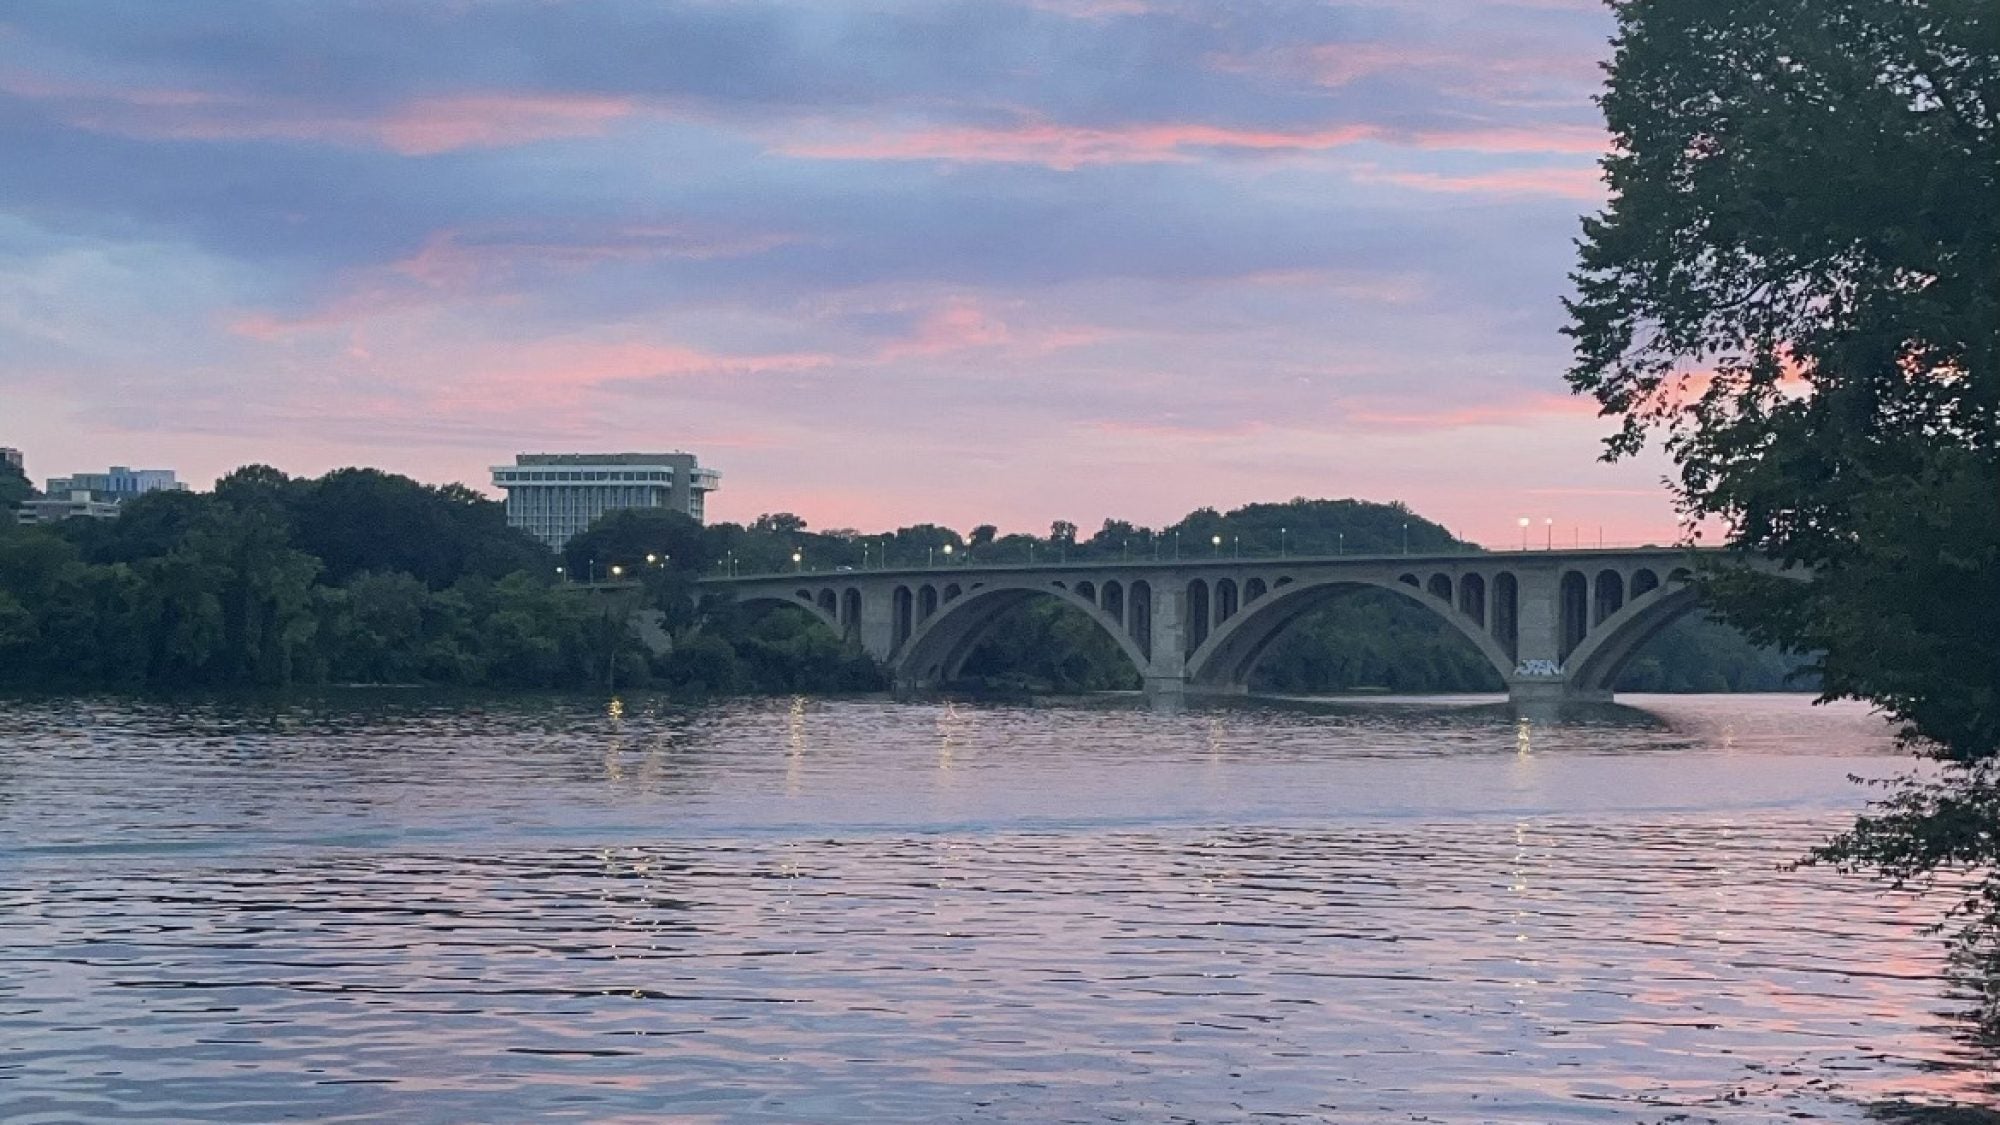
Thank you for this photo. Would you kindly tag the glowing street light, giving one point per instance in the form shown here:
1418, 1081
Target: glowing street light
652, 559
1281, 542
798, 560
1525, 521
1216, 542
617, 571
947, 554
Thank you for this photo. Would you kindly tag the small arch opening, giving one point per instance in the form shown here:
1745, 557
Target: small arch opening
1472, 597
1644, 582
1440, 587
1225, 599
1254, 589
927, 602
903, 615
1506, 626
1610, 596
1574, 596
1197, 613
1139, 616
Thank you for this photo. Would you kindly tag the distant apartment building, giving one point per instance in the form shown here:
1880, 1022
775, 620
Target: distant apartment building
55, 509
12, 457
117, 485
552, 496
96, 495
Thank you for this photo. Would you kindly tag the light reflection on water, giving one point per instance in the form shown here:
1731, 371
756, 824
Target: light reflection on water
855, 910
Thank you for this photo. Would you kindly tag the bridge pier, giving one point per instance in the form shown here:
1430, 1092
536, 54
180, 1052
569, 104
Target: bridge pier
1544, 692
1166, 665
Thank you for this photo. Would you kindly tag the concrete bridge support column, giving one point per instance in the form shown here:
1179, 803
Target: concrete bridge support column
878, 623
1539, 675
1166, 670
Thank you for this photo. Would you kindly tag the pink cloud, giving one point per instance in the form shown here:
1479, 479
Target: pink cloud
1567, 139
1068, 147
419, 127
1525, 410
463, 258
435, 125
963, 324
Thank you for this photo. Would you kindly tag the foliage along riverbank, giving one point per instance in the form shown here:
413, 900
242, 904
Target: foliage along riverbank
363, 577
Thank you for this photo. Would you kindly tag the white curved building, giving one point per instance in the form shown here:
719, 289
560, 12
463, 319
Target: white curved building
552, 496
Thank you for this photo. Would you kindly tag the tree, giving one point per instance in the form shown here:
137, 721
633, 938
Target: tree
778, 523
1796, 289
635, 538
15, 488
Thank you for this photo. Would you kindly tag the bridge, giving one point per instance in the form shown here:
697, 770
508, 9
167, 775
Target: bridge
1555, 624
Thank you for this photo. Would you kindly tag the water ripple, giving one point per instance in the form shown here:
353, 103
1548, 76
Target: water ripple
440, 910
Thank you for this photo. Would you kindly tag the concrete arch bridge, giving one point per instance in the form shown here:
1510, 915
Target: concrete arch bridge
1554, 624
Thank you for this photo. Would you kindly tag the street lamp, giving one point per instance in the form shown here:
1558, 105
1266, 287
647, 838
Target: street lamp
1216, 542
798, 560
1281, 542
1524, 532
1549, 531
1177, 543
559, 574
1340, 542
947, 554
1236, 545
652, 559
617, 571
1406, 537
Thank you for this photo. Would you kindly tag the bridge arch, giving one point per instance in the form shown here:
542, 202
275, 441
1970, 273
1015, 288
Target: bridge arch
1594, 664
938, 647
803, 599
1225, 660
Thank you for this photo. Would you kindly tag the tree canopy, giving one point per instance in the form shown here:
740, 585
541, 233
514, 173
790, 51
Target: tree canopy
1796, 288
15, 488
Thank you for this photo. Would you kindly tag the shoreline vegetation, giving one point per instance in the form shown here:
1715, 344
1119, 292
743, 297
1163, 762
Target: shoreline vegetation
361, 577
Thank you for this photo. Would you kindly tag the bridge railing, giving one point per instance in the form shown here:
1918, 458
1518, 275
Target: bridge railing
969, 560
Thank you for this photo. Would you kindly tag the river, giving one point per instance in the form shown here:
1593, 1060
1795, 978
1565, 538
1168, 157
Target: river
421, 908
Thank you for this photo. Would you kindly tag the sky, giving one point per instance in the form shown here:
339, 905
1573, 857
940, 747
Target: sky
1005, 261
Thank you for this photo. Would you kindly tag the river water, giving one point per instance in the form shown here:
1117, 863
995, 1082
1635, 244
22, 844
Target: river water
428, 909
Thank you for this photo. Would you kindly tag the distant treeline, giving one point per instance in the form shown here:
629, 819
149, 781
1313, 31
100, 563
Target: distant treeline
361, 576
